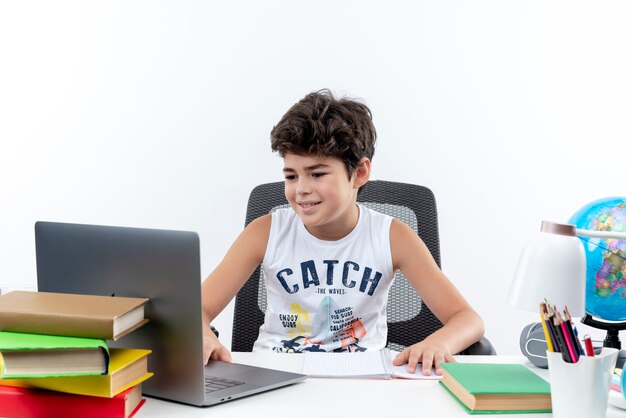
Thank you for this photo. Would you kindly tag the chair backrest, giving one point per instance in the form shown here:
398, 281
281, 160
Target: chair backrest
409, 319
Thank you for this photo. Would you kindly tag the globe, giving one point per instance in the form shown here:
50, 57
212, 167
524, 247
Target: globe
605, 295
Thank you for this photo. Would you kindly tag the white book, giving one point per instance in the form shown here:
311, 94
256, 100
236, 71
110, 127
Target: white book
362, 365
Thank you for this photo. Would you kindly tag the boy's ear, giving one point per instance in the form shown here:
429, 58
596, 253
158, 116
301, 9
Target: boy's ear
362, 172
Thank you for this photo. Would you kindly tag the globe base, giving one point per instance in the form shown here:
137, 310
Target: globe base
612, 335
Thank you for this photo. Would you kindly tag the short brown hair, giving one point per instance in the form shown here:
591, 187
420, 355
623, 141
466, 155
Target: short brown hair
322, 125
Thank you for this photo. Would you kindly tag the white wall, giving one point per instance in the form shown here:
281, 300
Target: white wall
157, 114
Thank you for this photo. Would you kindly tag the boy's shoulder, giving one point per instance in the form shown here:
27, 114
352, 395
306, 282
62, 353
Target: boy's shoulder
283, 212
373, 212
283, 217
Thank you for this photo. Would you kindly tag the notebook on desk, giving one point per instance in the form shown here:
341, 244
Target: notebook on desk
163, 266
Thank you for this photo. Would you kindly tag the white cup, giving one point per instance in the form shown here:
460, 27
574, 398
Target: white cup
581, 389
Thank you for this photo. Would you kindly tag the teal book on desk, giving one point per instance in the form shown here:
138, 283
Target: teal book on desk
483, 388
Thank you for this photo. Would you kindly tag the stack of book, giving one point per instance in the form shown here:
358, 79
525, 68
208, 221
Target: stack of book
55, 360
616, 393
616, 380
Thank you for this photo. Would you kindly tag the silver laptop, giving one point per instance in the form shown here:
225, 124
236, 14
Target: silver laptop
165, 267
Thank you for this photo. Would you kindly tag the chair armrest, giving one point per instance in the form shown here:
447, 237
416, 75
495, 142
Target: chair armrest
480, 347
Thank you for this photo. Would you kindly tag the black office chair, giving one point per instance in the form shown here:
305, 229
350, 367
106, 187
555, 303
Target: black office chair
409, 319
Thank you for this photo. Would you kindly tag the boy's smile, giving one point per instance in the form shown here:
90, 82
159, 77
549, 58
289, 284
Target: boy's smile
308, 207
321, 193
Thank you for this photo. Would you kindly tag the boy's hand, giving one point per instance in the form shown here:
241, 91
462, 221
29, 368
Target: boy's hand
213, 348
430, 354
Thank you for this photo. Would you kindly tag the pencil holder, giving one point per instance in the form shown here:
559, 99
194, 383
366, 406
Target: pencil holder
581, 389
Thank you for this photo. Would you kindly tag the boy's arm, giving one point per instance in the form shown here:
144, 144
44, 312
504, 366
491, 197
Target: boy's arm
219, 288
462, 325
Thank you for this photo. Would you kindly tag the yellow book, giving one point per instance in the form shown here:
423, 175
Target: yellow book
127, 368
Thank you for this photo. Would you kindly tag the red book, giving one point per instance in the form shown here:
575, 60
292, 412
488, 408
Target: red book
18, 402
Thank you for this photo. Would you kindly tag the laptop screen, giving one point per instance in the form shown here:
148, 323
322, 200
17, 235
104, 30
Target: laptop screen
161, 265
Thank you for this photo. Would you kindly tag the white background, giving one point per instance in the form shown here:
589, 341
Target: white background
157, 114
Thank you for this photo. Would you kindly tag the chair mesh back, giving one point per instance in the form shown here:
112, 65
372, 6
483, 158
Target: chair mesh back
409, 320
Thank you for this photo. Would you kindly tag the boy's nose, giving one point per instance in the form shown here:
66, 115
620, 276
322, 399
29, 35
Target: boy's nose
303, 187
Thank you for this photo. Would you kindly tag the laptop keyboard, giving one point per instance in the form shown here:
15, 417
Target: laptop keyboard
212, 383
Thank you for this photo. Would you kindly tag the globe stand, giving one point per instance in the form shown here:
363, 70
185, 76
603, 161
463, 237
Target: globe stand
612, 335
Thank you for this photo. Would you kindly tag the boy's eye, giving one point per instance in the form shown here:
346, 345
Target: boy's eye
317, 175
290, 177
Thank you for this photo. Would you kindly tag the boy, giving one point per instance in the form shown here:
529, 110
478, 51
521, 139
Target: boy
329, 262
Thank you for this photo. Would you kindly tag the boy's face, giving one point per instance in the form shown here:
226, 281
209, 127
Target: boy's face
321, 193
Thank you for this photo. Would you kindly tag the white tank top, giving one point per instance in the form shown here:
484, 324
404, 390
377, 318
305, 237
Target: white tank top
326, 295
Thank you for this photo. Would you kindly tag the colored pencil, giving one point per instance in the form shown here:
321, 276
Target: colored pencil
546, 332
568, 339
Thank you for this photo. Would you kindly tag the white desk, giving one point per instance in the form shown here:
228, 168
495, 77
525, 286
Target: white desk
378, 398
